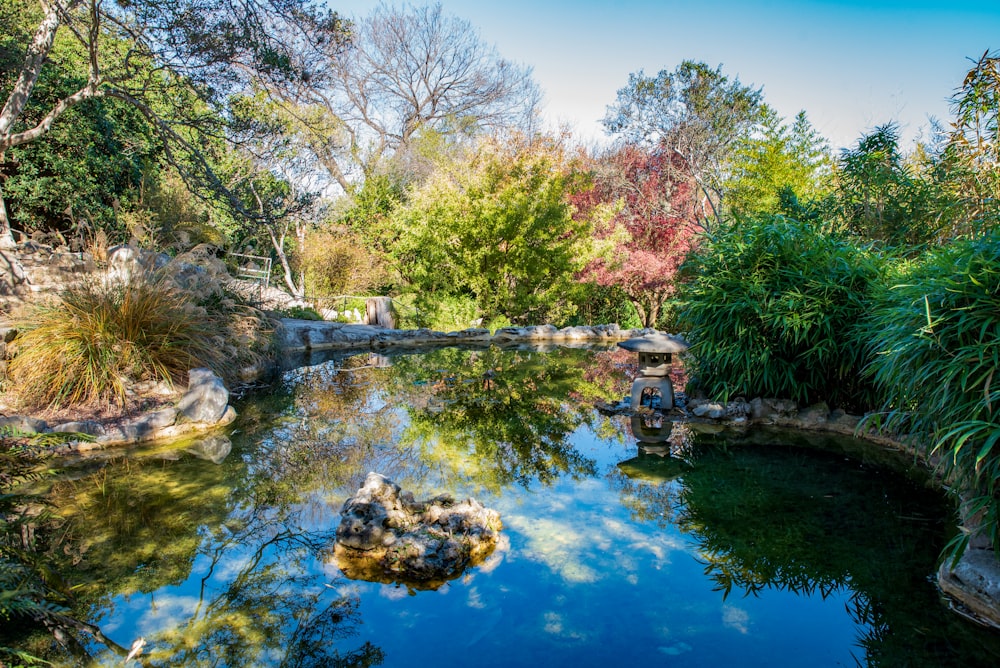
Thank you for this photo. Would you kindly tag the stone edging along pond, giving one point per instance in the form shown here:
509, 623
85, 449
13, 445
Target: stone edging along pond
296, 336
973, 584
204, 405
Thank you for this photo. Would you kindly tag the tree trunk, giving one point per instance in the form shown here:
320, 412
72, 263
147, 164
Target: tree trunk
378, 311
6, 235
654, 313
39, 49
278, 243
640, 310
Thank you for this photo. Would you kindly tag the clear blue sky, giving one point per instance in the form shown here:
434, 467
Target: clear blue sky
849, 64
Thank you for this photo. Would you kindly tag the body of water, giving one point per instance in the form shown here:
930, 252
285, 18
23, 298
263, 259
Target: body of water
757, 548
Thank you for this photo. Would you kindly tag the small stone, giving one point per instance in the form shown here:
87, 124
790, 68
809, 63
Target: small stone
711, 410
214, 449
815, 414
88, 427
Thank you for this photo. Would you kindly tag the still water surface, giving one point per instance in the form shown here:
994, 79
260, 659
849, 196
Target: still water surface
758, 549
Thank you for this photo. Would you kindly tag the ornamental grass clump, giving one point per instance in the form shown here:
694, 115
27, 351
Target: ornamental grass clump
103, 335
770, 307
934, 336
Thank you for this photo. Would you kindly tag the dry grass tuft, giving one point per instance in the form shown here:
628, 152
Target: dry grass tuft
103, 336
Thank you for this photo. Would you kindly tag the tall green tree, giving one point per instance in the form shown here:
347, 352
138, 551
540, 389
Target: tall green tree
92, 166
972, 155
882, 196
499, 229
176, 63
780, 160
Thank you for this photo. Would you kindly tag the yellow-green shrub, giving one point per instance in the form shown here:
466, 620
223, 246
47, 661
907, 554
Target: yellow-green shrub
336, 262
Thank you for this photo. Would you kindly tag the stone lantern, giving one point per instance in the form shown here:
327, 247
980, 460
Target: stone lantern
655, 351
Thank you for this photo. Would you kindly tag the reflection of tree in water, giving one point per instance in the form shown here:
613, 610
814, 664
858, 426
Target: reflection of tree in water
499, 417
140, 525
277, 609
811, 522
325, 428
133, 522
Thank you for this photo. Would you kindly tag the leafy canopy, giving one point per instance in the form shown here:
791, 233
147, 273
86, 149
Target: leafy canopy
499, 229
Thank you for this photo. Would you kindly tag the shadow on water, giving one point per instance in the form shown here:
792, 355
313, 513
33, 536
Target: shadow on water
815, 515
223, 560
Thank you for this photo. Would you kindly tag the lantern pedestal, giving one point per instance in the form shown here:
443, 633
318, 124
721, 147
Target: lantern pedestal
653, 385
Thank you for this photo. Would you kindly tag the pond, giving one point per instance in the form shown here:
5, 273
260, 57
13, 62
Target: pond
756, 548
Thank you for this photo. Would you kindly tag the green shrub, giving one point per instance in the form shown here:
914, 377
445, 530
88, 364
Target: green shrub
101, 335
302, 313
336, 262
770, 306
935, 339
601, 305
441, 312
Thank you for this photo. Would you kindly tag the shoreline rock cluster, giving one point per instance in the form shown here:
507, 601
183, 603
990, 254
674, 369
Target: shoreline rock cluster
294, 336
202, 407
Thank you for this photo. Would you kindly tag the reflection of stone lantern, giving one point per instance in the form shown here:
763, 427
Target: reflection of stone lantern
655, 360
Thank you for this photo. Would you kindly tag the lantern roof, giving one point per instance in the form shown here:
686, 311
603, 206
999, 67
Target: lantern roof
655, 343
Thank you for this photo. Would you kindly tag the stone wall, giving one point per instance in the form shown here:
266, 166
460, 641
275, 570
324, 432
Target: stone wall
32, 270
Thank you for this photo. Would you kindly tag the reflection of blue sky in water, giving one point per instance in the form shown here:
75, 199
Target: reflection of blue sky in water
582, 584
591, 569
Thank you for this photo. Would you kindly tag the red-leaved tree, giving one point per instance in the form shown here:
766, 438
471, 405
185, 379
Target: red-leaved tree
653, 230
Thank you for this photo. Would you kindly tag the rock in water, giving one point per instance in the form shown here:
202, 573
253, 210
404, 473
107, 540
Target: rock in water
387, 536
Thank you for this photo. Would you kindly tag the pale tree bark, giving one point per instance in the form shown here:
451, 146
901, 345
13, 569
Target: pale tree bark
41, 44
278, 234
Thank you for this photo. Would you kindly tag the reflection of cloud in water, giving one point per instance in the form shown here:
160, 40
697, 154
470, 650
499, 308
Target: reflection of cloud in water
675, 649
557, 544
169, 612
230, 568
736, 619
554, 624
495, 559
582, 544
349, 590
393, 592
474, 600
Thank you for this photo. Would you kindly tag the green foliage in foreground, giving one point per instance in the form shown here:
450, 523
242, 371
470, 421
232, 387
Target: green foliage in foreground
935, 339
29, 591
769, 308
